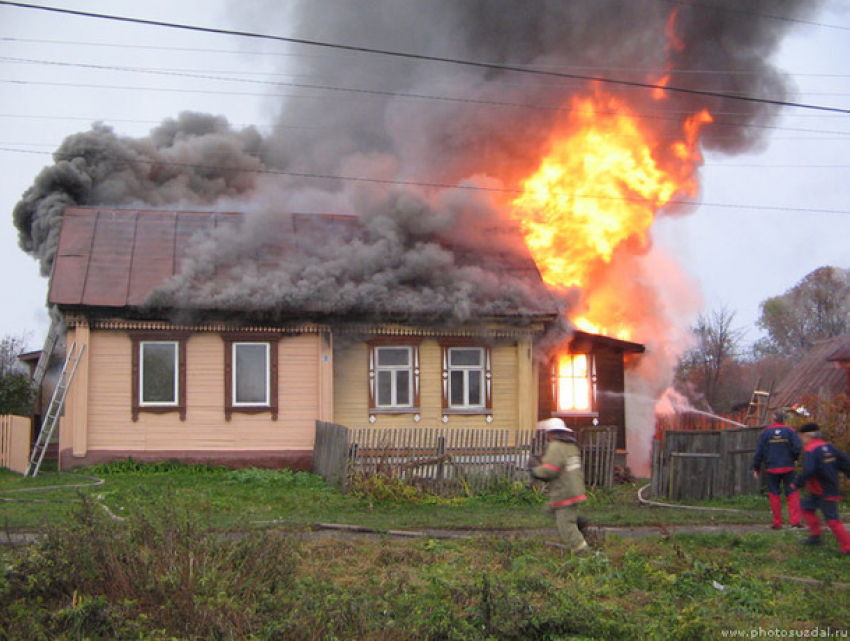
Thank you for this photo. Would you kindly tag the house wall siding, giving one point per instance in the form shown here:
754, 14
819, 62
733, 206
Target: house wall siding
351, 392
109, 427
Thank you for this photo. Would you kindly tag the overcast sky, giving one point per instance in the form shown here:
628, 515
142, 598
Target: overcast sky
766, 220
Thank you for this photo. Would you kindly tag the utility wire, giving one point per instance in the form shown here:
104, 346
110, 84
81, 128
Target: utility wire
437, 185
367, 92
643, 71
427, 58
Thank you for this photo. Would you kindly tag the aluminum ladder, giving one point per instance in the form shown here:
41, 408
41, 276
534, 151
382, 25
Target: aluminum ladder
54, 410
46, 353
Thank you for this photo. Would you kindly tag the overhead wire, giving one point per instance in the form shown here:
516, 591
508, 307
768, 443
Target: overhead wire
353, 90
450, 186
528, 70
425, 57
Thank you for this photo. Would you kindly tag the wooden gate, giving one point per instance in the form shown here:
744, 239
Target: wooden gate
704, 464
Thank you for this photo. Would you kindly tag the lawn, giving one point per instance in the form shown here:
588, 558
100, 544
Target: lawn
203, 553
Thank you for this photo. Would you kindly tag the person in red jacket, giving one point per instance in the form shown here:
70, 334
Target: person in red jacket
778, 449
822, 462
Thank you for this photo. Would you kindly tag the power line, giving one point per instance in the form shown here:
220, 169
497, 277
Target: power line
279, 54
426, 58
437, 185
668, 115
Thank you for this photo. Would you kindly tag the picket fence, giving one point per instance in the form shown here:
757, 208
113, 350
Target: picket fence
449, 460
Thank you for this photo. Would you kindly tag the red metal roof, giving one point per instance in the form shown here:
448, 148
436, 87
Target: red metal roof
117, 257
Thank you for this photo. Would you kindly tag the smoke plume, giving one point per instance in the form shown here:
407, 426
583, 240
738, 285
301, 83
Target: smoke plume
417, 149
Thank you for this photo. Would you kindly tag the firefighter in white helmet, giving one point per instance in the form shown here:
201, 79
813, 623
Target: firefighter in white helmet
560, 467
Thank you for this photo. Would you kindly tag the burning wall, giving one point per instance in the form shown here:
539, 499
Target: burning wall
412, 145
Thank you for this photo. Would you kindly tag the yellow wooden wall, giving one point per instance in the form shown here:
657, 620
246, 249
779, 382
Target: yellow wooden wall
514, 391
98, 412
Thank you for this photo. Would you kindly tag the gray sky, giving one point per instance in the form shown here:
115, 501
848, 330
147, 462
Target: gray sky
763, 224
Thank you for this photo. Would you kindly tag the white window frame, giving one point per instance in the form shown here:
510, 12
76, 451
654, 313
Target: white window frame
394, 370
267, 383
175, 345
467, 371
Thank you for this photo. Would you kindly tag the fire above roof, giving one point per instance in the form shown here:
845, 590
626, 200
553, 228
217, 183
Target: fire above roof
318, 264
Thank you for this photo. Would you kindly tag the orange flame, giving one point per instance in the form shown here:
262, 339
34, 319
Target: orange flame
596, 193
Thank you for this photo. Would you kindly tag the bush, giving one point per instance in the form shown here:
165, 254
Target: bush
17, 394
162, 564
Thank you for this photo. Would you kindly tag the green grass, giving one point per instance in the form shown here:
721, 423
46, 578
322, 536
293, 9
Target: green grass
285, 497
213, 553
165, 574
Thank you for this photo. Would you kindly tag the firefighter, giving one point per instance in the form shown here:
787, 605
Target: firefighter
779, 447
822, 462
560, 467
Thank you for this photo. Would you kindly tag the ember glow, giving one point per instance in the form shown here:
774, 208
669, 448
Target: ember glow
597, 192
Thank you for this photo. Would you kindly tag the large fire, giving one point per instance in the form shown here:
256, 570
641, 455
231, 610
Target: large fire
599, 188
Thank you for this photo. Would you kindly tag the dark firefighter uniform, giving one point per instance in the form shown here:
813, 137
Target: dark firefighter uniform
822, 463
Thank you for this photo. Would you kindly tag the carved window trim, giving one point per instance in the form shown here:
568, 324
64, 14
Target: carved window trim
446, 347
138, 339
231, 339
374, 346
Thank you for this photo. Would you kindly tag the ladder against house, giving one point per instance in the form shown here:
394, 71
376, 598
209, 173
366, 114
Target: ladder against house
757, 409
46, 353
54, 410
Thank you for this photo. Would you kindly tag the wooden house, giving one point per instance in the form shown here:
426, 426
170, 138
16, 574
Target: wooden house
824, 371
199, 380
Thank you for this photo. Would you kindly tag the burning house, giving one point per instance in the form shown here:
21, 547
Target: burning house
460, 233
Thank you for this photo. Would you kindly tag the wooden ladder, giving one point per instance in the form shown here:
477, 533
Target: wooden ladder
54, 410
757, 409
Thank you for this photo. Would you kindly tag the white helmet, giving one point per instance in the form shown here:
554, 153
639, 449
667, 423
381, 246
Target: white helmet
553, 425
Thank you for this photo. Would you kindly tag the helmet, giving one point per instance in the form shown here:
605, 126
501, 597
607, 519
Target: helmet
553, 425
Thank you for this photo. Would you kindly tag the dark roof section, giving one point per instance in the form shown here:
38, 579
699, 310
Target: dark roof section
842, 354
580, 340
816, 373
115, 258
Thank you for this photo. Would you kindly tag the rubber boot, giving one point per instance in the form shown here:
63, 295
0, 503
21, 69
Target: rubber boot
794, 513
841, 535
776, 510
813, 522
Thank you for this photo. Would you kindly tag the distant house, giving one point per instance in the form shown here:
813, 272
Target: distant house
824, 371
217, 367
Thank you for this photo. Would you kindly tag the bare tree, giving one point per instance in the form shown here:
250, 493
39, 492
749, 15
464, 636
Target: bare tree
702, 368
10, 348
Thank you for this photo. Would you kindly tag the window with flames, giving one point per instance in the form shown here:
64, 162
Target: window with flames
574, 383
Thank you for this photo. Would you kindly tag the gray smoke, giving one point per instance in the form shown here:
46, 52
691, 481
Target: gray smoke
430, 149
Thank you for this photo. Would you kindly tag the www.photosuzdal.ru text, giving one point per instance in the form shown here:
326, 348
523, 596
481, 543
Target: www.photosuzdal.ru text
776, 633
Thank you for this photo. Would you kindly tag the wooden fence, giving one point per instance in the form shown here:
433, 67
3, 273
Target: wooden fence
15, 442
704, 464
448, 460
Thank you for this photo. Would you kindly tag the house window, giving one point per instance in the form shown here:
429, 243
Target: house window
467, 378
393, 377
250, 374
574, 383
159, 373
